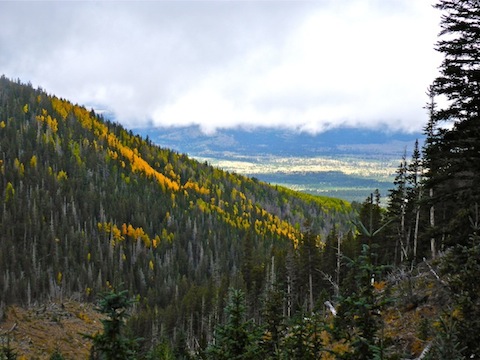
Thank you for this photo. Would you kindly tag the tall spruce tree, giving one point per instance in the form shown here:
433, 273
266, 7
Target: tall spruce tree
113, 343
237, 338
404, 213
460, 268
397, 211
358, 313
452, 155
453, 134
415, 193
371, 223
309, 262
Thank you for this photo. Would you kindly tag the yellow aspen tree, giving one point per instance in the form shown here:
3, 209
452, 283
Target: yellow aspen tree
9, 192
33, 161
62, 175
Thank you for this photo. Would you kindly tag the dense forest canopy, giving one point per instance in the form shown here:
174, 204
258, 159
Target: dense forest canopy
87, 205
213, 265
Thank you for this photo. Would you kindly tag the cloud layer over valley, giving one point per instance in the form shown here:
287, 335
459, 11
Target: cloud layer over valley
305, 65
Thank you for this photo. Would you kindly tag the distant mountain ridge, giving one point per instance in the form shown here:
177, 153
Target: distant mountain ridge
281, 142
303, 156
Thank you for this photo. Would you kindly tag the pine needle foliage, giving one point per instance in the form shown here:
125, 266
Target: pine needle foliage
359, 312
238, 338
113, 343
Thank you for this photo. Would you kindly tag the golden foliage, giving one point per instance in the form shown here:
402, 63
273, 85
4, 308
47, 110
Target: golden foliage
9, 192
241, 213
117, 148
59, 278
379, 286
52, 123
190, 185
333, 348
127, 230
19, 167
33, 161
62, 175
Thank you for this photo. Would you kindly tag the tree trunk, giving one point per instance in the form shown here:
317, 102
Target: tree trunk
310, 283
417, 222
432, 224
339, 263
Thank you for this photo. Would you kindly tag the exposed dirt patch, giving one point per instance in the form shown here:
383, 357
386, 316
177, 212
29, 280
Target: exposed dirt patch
37, 332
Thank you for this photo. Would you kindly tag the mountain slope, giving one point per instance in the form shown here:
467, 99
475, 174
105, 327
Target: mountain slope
87, 205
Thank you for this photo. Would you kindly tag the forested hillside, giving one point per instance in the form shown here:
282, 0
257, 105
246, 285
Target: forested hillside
87, 205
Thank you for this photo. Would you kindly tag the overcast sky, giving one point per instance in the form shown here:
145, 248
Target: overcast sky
305, 65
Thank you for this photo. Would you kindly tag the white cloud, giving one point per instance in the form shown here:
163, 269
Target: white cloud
303, 65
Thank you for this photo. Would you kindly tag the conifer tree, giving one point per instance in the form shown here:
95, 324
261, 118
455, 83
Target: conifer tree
238, 338
6, 350
459, 269
358, 317
274, 319
304, 340
331, 261
397, 212
309, 263
371, 223
431, 160
453, 135
415, 194
113, 343
404, 211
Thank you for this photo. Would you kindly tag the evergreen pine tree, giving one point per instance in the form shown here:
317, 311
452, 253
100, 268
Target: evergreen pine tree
274, 319
237, 338
453, 135
371, 223
397, 212
6, 350
113, 343
358, 318
309, 262
331, 261
459, 268
414, 197
404, 211
303, 341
